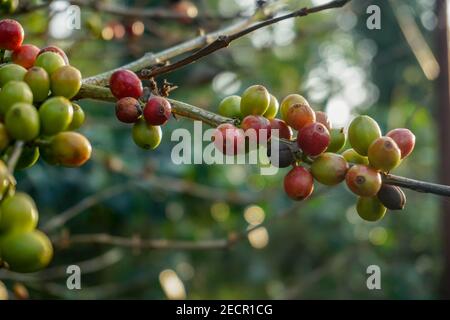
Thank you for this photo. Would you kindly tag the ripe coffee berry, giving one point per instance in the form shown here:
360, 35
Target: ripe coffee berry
25, 55
298, 183
404, 139
11, 34
284, 131
322, 118
370, 209
272, 110
354, 157
384, 154
288, 101
230, 107
39, 82
125, 83
11, 72
229, 139
56, 50
128, 110
392, 197
157, 111
300, 115
283, 156
256, 128
255, 100
329, 168
363, 130
337, 140
363, 180
65, 82
313, 139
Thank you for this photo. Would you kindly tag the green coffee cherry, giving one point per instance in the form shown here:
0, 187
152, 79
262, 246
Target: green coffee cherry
50, 61
18, 214
22, 122
254, 101
337, 140
384, 154
66, 82
363, 130
354, 157
370, 209
11, 72
39, 83
329, 168
230, 107
146, 136
4, 137
13, 92
272, 110
56, 114
78, 117
28, 157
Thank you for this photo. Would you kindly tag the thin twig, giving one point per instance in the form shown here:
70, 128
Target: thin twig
15, 155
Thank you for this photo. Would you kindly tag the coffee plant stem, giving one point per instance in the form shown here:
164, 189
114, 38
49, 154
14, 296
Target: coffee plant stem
15, 155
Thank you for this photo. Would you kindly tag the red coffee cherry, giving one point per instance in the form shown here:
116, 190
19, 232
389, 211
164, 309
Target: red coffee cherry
11, 34
313, 139
125, 83
322, 118
157, 111
229, 139
363, 181
257, 123
57, 50
284, 131
298, 183
128, 110
299, 115
25, 55
404, 139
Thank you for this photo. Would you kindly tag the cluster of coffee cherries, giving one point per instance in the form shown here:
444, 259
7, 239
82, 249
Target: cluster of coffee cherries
36, 86
316, 150
146, 117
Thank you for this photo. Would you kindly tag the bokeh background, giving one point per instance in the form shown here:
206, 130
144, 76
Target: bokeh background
318, 249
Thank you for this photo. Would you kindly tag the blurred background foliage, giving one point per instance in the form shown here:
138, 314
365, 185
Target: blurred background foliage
322, 249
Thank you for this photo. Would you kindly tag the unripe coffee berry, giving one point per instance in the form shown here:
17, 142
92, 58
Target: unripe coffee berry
125, 83
18, 213
56, 114
11, 34
25, 55
384, 154
50, 61
313, 139
284, 131
11, 72
272, 109
298, 183
56, 50
329, 168
300, 115
404, 139
157, 111
145, 135
13, 92
256, 129
65, 82
322, 118
337, 140
78, 117
128, 110
230, 107
363, 180
254, 101
392, 197
370, 209
363, 130
69, 149
354, 157
290, 100
229, 139
28, 157
4, 138
39, 82
22, 122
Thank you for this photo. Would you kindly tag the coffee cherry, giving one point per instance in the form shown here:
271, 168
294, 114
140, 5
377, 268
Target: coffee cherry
256, 128
384, 154
300, 115
290, 100
282, 157
56, 50
284, 131
329, 168
39, 83
254, 101
354, 157
13, 92
22, 122
28, 157
230, 107
25, 55
392, 197
337, 140
4, 137
66, 82
68, 148
145, 135
370, 209
11, 34
363, 181
229, 139
125, 83
11, 72
50, 61
157, 111
363, 130
272, 110
298, 183
404, 139
78, 117
322, 118
313, 139
56, 114
128, 110
26, 252
4, 181
18, 213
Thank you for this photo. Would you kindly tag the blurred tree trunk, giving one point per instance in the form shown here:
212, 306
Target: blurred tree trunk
443, 119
